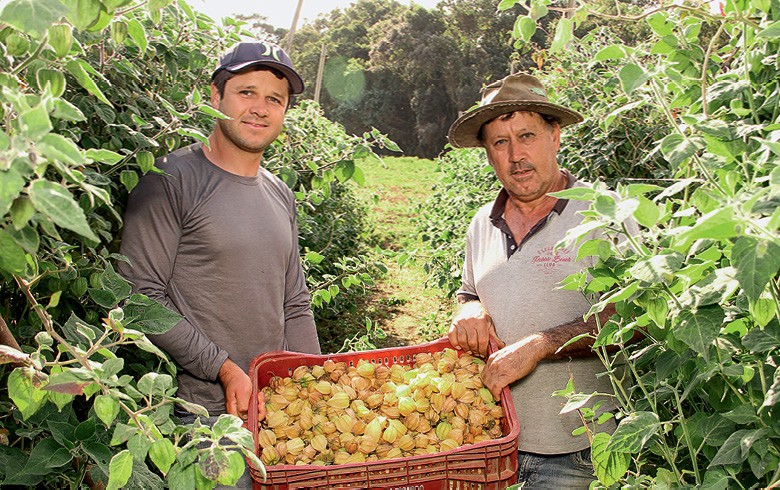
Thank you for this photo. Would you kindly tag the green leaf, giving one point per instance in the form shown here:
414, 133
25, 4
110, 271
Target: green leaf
149, 316
12, 257
657, 269
104, 298
33, 16
576, 194
344, 170
145, 161
104, 156
67, 111
11, 185
676, 148
633, 432
27, 398
129, 179
763, 340
78, 68
772, 31
46, 456
647, 213
632, 77
35, 122
111, 281
611, 52
210, 111
756, 263
53, 200
57, 147
525, 28
83, 13
123, 432
119, 469
106, 408
193, 133
163, 454
700, 329
138, 34
214, 462
719, 224
181, 476
773, 393
314, 257
139, 445
610, 466
660, 24
735, 449
564, 32
154, 383
235, 469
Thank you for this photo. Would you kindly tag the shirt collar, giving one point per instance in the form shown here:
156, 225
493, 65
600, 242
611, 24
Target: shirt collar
497, 211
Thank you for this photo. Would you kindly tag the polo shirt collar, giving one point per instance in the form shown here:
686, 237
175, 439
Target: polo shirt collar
497, 214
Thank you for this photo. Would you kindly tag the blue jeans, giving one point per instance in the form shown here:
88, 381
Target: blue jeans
243, 483
557, 471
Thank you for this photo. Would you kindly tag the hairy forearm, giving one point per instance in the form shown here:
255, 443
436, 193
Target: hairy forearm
556, 337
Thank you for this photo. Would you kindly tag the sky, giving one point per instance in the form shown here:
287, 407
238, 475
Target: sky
280, 13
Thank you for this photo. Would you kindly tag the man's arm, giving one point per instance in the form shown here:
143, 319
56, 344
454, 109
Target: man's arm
518, 360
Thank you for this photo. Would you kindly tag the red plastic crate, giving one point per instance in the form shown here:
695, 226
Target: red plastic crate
488, 465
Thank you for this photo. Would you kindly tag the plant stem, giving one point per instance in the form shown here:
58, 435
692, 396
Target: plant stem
693, 453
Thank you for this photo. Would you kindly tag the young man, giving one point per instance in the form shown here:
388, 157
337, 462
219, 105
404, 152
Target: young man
215, 238
509, 291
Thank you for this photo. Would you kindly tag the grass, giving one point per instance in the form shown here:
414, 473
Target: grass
400, 303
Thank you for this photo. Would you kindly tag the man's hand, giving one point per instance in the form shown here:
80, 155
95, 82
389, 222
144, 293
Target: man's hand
238, 389
514, 362
472, 329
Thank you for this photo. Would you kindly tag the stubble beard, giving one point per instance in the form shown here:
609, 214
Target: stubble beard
233, 135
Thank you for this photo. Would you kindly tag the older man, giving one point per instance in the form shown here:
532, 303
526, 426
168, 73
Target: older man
509, 291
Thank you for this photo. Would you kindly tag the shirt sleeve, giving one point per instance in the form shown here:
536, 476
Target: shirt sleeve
299, 329
468, 289
150, 241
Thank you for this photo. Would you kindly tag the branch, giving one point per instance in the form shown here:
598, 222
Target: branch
6, 336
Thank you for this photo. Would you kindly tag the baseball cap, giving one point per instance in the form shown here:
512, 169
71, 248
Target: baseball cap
246, 54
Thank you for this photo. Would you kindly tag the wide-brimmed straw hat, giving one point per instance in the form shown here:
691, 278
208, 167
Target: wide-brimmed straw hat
520, 92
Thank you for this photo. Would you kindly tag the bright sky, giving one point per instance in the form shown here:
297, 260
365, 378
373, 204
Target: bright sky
280, 13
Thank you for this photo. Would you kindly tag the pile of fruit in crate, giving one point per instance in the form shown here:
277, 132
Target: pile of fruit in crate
337, 414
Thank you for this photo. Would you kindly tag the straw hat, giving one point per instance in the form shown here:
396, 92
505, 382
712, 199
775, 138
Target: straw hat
519, 92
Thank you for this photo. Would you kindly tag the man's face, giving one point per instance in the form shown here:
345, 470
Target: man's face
521, 147
257, 101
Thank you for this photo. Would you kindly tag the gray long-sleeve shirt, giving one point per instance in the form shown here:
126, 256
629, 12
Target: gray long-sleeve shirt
221, 250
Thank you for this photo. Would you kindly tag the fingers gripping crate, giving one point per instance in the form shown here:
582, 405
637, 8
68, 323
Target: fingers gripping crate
486, 465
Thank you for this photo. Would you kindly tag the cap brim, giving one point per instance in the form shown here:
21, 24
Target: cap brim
296, 82
463, 132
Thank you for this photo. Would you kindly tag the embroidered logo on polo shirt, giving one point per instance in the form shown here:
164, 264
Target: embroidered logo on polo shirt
548, 260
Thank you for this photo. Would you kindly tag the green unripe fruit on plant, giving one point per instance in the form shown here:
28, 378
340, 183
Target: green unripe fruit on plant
119, 31
17, 45
61, 39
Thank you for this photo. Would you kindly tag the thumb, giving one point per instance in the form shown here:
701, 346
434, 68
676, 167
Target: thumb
495, 341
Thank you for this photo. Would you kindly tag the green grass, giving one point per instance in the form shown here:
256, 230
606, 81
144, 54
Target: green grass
400, 303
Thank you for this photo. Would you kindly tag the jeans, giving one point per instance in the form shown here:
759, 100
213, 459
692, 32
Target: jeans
557, 471
243, 483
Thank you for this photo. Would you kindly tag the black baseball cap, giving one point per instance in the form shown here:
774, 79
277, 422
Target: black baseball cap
246, 54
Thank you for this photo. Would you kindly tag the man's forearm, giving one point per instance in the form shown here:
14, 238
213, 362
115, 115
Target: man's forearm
558, 336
